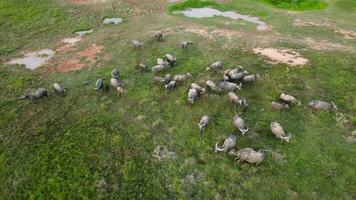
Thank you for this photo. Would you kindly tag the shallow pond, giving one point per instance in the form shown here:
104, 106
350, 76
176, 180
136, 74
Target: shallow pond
34, 59
211, 12
112, 20
84, 32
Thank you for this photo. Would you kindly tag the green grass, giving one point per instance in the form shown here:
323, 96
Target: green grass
93, 145
24, 23
298, 5
192, 4
348, 5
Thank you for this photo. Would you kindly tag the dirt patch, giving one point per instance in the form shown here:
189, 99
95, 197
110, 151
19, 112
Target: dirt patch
86, 1
146, 2
346, 34
263, 39
70, 65
64, 48
351, 139
211, 33
286, 56
324, 45
68, 43
343, 120
301, 23
88, 55
71, 40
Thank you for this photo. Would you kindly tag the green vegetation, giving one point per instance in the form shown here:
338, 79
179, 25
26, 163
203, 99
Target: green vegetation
94, 145
286, 4
193, 4
24, 22
349, 5
298, 4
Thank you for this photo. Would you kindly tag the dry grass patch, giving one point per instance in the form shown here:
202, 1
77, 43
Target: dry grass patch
286, 56
86, 1
324, 45
347, 34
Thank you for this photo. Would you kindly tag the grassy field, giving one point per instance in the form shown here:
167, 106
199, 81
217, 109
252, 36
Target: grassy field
299, 4
95, 145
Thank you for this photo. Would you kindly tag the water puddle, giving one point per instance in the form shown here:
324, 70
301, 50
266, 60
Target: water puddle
84, 32
112, 20
34, 59
211, 12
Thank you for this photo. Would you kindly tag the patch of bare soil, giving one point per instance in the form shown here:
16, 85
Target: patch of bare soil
211, 33
71, 40
68, 44
90, 53
342, 120
352, 137
74, 63
347, 34
64, 48
286, 56
144, 7
265, 39
69, 65
324, 45
140, 2
86, 1
301, 23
